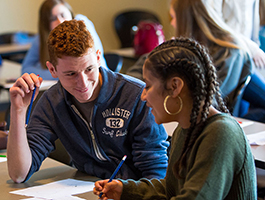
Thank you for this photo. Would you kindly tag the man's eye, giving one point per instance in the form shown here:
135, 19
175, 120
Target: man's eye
70, 74
88, 69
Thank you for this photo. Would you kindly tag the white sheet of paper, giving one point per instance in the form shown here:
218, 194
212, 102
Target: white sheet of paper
46, 84
245, 123
59, 190
257, 138
60, 198
2, 159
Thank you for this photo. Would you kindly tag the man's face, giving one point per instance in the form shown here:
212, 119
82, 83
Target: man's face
79, 75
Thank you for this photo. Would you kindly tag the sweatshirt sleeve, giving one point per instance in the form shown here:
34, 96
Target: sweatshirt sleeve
149, 145
40, 135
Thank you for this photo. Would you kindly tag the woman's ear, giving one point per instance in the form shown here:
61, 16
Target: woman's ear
176, 85
51, 69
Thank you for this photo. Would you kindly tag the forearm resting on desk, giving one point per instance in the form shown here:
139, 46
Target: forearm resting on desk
18, 152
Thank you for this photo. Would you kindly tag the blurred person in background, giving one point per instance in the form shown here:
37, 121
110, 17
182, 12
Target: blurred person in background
51, 14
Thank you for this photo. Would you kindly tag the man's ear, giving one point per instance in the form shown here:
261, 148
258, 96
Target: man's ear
98, 53
51, 69
176, 84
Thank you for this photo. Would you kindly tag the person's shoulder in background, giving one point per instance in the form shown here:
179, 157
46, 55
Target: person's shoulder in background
137, 69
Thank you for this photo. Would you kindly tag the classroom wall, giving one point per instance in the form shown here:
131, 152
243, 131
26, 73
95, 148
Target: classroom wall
22, 15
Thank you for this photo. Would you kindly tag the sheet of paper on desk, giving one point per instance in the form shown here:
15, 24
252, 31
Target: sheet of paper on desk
257, 138
3, 159
245, 123
62, 198
46, 84
59, 190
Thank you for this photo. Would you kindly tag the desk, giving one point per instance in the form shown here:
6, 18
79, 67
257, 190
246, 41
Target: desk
125, 52
128, 56
11, 71
9, 49
8, 71
257, 151
50, 171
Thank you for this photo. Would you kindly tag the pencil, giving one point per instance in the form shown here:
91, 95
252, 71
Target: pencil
115, 172
30, 105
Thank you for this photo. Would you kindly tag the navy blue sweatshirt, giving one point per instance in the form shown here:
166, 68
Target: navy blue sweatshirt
121, 124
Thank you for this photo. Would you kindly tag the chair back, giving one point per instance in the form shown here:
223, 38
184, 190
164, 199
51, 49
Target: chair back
114, 61
6, 38
126, 24
235, 106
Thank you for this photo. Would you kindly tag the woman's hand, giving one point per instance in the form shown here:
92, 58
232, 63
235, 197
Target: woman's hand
259, 59
110, 190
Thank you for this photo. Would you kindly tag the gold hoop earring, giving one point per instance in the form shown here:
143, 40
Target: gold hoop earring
165, 106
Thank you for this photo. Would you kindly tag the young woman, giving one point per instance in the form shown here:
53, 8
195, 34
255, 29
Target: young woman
210, 157
232, 61
51, 14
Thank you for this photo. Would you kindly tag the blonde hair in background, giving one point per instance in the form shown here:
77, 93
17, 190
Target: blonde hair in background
201, 20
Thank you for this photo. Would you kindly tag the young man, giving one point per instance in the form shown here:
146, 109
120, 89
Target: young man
97, 114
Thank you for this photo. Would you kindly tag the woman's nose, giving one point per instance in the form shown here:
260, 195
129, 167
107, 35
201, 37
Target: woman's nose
60, 19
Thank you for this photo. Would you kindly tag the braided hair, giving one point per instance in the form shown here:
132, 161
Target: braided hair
187, 59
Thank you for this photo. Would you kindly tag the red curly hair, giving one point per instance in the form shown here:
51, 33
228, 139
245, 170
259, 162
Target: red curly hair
70, 38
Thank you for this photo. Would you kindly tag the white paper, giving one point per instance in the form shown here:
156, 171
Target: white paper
257, 138
245, 123
46, 84
60, 198
59, 190
2, 159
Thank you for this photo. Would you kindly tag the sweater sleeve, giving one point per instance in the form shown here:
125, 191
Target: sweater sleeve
219, 166
149, 145
143, 189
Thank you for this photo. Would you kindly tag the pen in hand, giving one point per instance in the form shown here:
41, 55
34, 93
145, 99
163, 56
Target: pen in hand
115, 172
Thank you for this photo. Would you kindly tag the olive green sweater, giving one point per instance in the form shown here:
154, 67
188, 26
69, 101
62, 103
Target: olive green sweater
220, 165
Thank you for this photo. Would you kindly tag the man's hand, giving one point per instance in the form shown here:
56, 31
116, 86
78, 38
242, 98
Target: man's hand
21, 91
